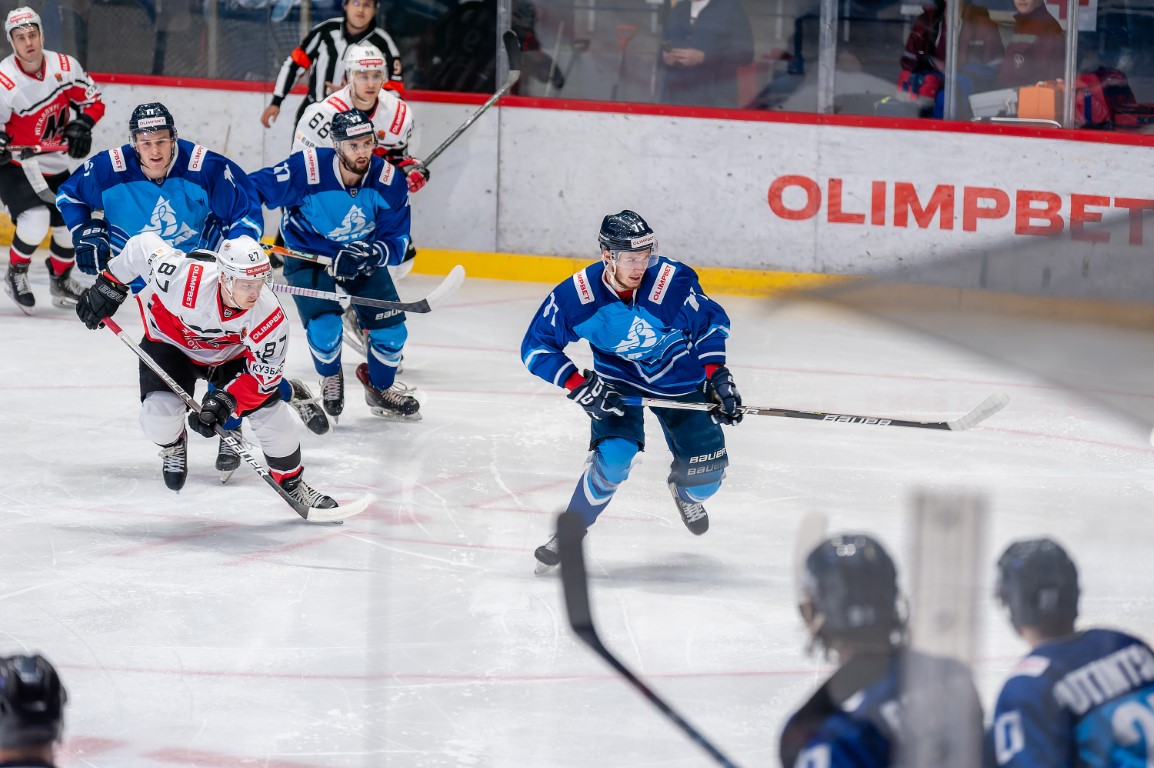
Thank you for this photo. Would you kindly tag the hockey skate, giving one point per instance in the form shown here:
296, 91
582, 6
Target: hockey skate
333, 394
549, 555
692, 513
296, 487
396, 402
227, 459
355, 336
65, 291
306, 407
174, 466
16, 286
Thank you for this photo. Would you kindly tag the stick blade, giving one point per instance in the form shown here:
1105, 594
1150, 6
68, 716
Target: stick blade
448, 286
985, 410
338, 514
513, 54
574, 582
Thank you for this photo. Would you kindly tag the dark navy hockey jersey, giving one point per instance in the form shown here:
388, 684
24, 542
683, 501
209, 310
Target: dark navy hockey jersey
1083, 700
659, 343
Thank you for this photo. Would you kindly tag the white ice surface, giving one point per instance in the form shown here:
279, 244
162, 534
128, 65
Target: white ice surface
215, 628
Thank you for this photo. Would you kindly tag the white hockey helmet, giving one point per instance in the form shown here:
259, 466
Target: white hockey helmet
21, 17
399, 118
363, 57
243, 258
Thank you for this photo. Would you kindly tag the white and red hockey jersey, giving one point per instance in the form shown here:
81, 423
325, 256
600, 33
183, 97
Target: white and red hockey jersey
182, 306
35, 108
392, 119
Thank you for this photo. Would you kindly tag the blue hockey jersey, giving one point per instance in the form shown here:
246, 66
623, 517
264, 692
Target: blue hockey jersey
321, 215
659, 343
1083, 700
204, 198
879, 711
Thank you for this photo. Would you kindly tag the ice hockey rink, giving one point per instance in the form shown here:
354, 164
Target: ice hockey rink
215, 628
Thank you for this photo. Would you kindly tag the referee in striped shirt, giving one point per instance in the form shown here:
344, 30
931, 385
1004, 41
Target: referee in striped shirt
321, 52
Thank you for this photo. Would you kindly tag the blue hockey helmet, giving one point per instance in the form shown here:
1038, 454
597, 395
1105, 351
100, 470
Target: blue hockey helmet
1038, 582
146, 118
31, 702
351, 125
849, 592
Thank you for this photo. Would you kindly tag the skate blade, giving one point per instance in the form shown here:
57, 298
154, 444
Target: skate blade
339, 514
30, 311
542, 569
225, 474
388, 415
64, 303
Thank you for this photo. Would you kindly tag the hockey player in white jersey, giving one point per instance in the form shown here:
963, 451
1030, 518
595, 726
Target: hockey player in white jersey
46, 99
207, 316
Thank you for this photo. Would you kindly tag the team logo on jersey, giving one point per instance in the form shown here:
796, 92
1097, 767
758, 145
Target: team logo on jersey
641, 338
165, 223
354, 227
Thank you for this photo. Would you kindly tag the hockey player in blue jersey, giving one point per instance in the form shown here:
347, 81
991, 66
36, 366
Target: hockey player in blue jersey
190, 196
352, 207
885, 705
653, 333
1080, 698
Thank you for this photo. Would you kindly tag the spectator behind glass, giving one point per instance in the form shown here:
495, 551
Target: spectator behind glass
923, 62
705, 41
1037, 49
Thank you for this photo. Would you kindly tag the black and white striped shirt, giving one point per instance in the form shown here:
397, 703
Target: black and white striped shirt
322, 51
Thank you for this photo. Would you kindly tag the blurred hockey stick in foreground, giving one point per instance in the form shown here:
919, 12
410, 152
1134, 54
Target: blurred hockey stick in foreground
31, 167
513, 54
570, 532
312, 514
985, 410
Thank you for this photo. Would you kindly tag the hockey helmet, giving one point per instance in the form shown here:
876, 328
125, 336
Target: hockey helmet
363, 57
849, 592
242, 258
32, 702
351, 125
1038, 582
153, 116
627, 231
21, 17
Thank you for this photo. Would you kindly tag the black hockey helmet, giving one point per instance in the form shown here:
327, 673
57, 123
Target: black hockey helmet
153, 116
1038, 583
350, 125
31, 702
849, 591
626, 231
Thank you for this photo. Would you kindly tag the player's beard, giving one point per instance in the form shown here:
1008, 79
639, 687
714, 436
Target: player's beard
351, 168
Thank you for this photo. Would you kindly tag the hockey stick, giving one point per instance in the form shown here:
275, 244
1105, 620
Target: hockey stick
312, 514
985, 410
570, 531
513, 53
31, 168
280, 250
446, 287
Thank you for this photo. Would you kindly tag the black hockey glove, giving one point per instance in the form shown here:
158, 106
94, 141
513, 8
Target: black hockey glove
597, 397
5, 152
359, 258
100, 301
79, 136
416, 174
720, 389
93, 248
216, 408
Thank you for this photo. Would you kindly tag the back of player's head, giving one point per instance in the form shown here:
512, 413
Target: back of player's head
1038, 582
625, 231
153, 116
849, 593
351, 125
31, 702
363, 57
21, 17
243, 258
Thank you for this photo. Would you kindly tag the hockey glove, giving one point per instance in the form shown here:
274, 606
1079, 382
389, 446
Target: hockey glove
359, 258
416, 174
79, 136
720, 389
5, 152
216, 407
93, 248
100, 301
597, 397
